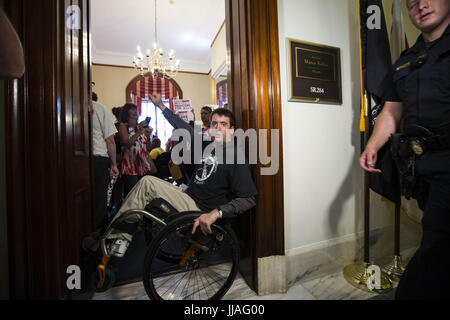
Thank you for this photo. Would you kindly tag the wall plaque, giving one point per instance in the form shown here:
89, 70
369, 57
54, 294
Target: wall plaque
315, 73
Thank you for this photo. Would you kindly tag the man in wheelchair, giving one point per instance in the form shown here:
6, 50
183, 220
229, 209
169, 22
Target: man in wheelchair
218, 188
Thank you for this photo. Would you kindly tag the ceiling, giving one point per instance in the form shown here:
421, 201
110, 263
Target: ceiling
186, 26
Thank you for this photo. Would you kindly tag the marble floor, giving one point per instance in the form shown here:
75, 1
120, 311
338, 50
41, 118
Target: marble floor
330, 287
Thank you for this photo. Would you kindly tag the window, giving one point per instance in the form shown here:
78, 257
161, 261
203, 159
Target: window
161, 127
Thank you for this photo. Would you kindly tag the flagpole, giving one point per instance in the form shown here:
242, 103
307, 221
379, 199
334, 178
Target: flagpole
396, 268
366, 185
397, 230
359, 275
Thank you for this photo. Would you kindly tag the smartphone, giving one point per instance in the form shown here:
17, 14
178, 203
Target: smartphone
148, 119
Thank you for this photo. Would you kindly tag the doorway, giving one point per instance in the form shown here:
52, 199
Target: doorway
49, 192
195, 30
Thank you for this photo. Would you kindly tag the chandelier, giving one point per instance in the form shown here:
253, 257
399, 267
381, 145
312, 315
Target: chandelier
154, 61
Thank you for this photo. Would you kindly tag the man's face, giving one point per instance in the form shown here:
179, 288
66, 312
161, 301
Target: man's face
221, 128
427, 15
205, 116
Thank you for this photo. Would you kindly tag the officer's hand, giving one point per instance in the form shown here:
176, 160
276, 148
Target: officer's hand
205, 221
368, 160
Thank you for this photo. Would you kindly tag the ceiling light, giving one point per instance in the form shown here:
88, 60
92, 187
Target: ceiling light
154, 61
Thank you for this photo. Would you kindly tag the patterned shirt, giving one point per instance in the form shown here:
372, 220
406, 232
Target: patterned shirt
134, 159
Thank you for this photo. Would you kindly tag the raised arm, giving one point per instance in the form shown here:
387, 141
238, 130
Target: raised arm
386, 124
173, 119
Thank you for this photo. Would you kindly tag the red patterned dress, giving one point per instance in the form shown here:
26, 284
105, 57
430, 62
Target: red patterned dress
134, 159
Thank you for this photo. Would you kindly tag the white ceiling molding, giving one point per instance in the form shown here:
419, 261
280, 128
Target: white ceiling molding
123, 59
187, 26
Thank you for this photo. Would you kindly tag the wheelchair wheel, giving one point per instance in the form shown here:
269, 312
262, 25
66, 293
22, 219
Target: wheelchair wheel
182, 266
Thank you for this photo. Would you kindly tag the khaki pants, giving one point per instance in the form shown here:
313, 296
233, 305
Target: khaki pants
149, 188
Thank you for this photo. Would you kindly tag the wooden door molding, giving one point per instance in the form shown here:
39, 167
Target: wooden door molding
48, 149
255, 98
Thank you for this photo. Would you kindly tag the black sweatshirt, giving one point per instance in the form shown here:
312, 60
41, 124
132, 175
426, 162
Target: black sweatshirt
214, 183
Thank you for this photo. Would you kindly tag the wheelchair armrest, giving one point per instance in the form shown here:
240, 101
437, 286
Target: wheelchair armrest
173, 216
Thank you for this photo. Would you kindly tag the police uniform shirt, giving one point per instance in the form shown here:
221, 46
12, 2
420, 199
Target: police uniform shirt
420, 79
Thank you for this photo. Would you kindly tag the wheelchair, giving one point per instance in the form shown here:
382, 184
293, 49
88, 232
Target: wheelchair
178, 265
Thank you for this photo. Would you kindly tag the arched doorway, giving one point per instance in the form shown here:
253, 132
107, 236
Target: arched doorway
138, 92
140, 88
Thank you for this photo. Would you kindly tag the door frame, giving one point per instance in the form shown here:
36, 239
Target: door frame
48, 149
254, 96
254, 91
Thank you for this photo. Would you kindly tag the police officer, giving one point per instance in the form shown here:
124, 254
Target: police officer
419, 94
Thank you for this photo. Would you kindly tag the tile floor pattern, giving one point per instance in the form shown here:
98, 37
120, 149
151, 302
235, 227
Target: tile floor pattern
330, 287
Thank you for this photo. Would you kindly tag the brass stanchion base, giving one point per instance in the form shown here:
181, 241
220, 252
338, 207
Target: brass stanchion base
357, 276
395, 269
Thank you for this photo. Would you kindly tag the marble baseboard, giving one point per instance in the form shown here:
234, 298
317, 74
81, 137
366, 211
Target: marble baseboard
332, 259
272, 275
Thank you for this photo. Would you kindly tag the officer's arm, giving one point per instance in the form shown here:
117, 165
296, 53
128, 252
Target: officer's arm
387, 124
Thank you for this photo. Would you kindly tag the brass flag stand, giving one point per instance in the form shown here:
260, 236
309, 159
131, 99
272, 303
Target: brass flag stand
359, 274
396, 268
363, 276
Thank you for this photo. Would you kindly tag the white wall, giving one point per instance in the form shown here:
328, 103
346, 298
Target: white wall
219, 53
111, 83
323, 183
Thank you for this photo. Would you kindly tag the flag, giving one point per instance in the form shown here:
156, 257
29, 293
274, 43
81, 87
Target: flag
375, 66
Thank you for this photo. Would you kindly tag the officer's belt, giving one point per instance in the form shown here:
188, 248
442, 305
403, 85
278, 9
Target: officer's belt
429, 141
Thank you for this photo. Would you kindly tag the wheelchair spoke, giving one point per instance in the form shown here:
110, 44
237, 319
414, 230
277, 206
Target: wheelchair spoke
176, 283
199, 290
201, 281
181, 266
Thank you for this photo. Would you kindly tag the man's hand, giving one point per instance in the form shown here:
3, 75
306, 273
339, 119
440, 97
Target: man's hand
205, 221
114, 171
368, 160
157, 100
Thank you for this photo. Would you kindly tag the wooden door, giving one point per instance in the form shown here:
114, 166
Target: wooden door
49, 191
255, 98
